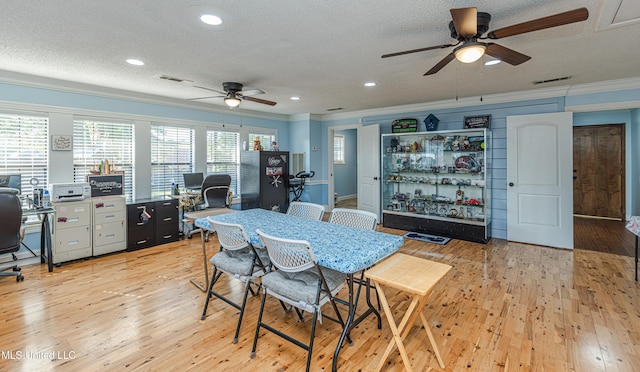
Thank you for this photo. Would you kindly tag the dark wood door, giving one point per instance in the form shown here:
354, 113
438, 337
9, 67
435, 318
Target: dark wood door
598, 163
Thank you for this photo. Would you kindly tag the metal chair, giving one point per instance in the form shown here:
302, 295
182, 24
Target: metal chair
239, 259
299, 282
306, 210
11, 229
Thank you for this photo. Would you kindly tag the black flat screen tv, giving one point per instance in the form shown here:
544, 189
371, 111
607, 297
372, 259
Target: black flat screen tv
11, 180
193, 181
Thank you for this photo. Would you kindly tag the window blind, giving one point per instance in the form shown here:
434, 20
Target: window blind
265, 140
24, 149
171, 156
338, 149
223, 155
97, 141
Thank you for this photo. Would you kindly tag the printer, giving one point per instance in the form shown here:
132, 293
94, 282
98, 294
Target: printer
62, 192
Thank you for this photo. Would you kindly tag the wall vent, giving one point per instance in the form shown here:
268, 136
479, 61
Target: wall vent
551, 80
172, 78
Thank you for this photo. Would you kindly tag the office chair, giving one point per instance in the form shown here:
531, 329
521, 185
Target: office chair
216, 196
11, 228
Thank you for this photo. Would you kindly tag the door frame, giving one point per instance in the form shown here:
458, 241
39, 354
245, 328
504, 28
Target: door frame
330, 169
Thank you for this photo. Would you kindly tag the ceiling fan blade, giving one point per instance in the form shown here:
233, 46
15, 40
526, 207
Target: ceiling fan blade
572, 16
252, 92
418, 50
259, 100
199, 98
450, 57
209, 89
505, 54
465, 21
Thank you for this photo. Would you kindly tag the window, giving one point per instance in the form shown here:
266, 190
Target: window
338, 149
96, 141
265, 140
223, 155
171, 156
24, 149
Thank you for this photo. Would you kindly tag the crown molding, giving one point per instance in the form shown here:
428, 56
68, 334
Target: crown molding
41, 82
532, 94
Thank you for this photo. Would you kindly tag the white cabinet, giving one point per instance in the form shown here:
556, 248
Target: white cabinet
71, 231
109, 224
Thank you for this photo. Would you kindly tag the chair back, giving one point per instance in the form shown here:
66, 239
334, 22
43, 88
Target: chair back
306, 210
215, 190
10, 220
354, 218
230, 235
288, 255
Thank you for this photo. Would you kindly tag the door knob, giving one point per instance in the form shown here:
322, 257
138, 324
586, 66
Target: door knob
510, 184
375, 178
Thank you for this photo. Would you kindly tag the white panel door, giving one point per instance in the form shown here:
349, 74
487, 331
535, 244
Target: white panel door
369, 169
539, 179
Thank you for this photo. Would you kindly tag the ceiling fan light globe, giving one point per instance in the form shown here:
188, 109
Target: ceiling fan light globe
470, 52
232, 101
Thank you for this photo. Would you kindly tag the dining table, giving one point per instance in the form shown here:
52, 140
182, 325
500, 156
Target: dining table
346, 249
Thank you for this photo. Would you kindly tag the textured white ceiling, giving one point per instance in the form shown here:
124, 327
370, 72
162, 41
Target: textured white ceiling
322, 51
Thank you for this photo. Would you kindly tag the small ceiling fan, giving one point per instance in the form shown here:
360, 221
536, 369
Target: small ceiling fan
233, 95
468, 26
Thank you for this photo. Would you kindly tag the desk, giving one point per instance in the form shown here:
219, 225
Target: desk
341, 248
45, 233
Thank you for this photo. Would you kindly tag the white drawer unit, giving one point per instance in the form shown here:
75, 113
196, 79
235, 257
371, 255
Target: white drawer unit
71, 231
109, 225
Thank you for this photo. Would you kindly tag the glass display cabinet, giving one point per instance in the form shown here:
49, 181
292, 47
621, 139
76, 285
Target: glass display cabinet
438, 183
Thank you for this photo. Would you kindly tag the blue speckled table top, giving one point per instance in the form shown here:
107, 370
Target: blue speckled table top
342, 248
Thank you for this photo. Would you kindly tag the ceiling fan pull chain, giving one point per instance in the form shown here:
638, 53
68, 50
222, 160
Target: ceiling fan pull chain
481, 76
456, 80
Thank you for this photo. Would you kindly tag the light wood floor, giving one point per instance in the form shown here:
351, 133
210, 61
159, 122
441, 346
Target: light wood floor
503, 307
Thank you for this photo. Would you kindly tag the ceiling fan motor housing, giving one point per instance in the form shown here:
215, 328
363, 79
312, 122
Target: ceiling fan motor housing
231, 87
483, 26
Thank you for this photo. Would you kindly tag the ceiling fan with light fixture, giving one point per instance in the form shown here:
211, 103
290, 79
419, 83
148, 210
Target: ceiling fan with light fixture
468, 26
233, 95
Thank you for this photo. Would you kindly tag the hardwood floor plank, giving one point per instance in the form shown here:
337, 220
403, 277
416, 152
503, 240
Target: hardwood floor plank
504, 307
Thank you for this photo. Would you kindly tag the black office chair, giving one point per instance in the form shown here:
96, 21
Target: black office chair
11, 229
296, 183
216, 195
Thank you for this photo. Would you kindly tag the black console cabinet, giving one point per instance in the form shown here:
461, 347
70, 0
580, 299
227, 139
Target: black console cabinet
152, 222
265, 180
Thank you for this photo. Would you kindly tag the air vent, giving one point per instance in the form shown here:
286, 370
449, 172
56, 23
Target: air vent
174, 79
335, 109
551, 80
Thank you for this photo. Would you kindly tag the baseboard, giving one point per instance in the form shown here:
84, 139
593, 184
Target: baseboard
347, 197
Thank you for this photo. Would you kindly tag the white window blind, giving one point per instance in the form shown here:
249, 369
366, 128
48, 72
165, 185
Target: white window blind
171, 156
24, 149
338, 149
265, 140
223, 155
96, 141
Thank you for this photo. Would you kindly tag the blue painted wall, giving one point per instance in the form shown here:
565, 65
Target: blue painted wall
345, 180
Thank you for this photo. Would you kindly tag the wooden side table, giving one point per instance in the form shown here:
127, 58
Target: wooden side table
416, 276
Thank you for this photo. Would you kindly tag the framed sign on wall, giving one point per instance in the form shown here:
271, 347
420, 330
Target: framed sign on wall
474, 122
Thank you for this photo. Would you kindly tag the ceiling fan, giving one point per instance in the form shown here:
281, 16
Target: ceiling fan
233, 95
468, 26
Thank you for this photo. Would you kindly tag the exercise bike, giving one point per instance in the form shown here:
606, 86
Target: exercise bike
296, 183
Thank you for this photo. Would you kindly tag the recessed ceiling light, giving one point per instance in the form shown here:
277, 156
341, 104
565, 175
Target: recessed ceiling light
135, 62
295, 98
211, 19
370, 84
492, 62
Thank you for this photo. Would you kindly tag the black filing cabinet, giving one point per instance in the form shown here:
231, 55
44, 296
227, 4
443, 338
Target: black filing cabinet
152, 222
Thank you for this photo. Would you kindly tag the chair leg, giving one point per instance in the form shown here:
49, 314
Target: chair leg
214, 278
244, 303
313, 333
255, 338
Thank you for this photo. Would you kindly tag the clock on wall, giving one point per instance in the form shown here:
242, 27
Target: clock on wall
431, 122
